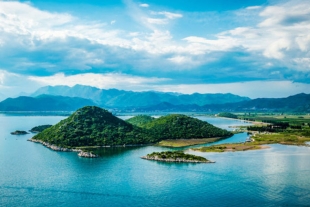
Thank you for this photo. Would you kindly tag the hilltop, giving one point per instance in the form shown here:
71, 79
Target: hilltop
140, 120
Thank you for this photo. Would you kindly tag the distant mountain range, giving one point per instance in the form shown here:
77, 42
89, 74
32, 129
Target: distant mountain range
123, 99
64, 98
296, 103
44, 103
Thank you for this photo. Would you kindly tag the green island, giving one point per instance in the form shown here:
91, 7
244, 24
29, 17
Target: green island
39, 128
269, 129
92, 126
175, 156
19, 132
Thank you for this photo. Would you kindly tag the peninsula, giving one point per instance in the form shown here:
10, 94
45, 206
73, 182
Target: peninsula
175, 156
92, 126
260, 140
40, 128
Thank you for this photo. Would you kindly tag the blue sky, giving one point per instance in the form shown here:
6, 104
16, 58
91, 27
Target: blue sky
254, 48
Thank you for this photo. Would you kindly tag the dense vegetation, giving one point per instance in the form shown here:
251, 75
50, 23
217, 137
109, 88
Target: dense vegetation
277, 123
177, 126
40, 128
175, 155
140, 120
93, 126
227, 115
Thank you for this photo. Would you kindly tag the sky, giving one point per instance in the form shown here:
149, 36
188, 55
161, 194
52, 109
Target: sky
254, 48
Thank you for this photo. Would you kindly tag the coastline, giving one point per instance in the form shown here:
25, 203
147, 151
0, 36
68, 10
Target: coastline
230, 148
187, 142
81, 153
245, 121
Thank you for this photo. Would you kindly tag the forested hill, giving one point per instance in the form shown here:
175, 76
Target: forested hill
93, 126
44, 103
178, 126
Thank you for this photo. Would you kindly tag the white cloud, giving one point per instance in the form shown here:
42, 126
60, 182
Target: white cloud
167, 16
156, 21
144, 5
304, 63
280, 39
282, 34
180, 59
170, 15
108, 80
199, 45
253, 7
12, 84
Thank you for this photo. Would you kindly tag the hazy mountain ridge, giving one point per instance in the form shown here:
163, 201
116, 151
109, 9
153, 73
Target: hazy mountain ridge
44, 103
295, 103
121, 98
64, 98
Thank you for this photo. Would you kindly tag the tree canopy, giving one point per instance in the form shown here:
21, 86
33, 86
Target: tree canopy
93, 126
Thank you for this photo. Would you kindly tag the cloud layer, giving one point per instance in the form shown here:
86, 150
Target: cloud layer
150, 45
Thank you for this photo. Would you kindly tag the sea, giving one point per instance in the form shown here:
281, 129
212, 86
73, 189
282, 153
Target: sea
33, 175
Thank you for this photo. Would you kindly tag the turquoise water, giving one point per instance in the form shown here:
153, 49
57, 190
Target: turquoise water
32, 175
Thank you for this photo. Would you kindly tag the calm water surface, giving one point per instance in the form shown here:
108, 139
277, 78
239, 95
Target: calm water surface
32, 175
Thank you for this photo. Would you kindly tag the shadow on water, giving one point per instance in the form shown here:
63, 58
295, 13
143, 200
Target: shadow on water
112, 151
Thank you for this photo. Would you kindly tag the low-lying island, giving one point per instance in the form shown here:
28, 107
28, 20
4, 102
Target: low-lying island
175, 156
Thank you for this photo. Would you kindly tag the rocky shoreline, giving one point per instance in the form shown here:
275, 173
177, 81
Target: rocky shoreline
81, 153
175, 160
87, 154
